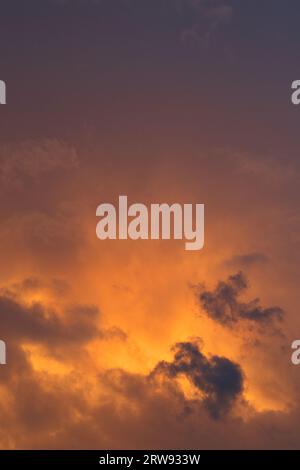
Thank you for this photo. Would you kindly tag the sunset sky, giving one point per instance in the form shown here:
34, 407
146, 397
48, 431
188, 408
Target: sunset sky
141, 344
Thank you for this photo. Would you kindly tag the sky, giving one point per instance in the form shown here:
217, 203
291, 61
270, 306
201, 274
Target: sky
141, 344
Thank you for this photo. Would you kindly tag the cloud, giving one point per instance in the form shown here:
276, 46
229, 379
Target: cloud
143, 416
131, 411
67, 327
122, 408
28, 161
39, 324
32, 284
223, 306
90, 408
217, 378
37, 212
206, 19
247, 260
199, 22
38, 403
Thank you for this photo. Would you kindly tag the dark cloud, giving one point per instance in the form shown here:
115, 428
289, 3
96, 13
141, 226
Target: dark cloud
39, 324
217, 378
135, 410
76, 325
141, 416
223, 305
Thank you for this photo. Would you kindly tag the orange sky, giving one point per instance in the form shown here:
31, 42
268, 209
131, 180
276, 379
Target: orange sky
141, 344
97, 317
